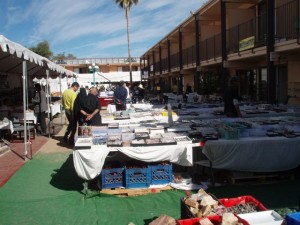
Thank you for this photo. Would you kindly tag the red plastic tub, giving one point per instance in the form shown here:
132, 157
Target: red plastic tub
104, 101
229, 202
216, 220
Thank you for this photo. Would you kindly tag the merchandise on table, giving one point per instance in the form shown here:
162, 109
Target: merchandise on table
85, 131
152, 141
183, 140
141, 135
83, 142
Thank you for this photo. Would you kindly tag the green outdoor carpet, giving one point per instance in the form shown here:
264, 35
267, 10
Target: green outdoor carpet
47, 191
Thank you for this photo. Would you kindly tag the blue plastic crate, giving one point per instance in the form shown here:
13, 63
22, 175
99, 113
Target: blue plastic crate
161, 174
137, 178
293, 218
112, 178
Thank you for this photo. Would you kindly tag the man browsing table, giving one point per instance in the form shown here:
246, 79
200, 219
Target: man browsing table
68, 99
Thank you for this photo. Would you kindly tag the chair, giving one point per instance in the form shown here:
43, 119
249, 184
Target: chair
19, 130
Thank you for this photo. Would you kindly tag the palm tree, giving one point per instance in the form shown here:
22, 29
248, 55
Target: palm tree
126, 5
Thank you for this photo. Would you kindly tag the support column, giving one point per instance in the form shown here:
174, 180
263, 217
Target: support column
24, 109
142, 71
197, 43
148, 65
160, 61
224, 43
180, 84
153, 60
271, 75
169, 56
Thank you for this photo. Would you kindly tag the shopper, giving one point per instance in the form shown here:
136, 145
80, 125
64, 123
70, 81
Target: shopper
91, 108
68, 99
120, 96
231, 97
40, 107
78, 105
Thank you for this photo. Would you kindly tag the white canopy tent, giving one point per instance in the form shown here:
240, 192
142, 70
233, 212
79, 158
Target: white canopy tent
87, 78
18, 60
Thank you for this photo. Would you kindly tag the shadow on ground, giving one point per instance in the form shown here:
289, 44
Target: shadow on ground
65, 178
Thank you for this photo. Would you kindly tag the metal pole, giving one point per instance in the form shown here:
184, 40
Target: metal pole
48, 101
93, 76
60, 98
24, 109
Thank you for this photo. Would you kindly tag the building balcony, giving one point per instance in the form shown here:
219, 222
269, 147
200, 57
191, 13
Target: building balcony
175, 65
189, 56
100, 61
287, 21
211, 48
165, 65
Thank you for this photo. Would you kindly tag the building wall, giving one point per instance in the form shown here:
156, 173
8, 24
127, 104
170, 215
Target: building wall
282, 2
188, 41
188, 78
243, 15
207, 31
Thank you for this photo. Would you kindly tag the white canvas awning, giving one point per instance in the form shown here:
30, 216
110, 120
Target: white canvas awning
108, 77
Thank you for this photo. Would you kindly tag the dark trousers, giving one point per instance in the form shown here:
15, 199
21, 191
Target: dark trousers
71, 129
41, 118
120, 107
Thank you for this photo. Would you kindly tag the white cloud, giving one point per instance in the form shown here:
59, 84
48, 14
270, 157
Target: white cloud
99, 23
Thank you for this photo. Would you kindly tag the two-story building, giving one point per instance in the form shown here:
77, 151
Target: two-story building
256, 40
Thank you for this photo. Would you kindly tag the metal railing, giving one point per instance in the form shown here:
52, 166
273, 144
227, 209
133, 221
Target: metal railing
189, 56
255, 27
287, 21
103, 61
156, 66
175, 61
211, 48
165, 64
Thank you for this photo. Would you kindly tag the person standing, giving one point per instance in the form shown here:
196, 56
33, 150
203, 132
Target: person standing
231, 97
40, 107
128, 91
120, 96
91, 108
78, 105
68, 99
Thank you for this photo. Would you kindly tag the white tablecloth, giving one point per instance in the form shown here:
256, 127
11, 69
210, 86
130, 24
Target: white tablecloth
111, 108
54, 109
7, 125
29, 116
262, 154
89, 162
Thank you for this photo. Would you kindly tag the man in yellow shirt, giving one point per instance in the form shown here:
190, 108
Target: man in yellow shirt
68, 99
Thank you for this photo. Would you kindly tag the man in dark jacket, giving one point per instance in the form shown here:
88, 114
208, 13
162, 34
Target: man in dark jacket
91, 108
120, 96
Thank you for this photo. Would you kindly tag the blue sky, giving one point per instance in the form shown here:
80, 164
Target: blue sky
91, 28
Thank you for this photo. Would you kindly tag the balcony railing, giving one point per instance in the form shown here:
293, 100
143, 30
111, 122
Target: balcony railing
189, 56
165, 64
255, 27
288, 21
156, 67
103, 61
175, 61
211, 48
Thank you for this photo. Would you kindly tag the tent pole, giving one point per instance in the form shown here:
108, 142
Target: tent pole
48, 101
24, 109
60, 98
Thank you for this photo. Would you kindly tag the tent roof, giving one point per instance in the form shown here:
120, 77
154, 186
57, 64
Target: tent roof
13, 54
109, 77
